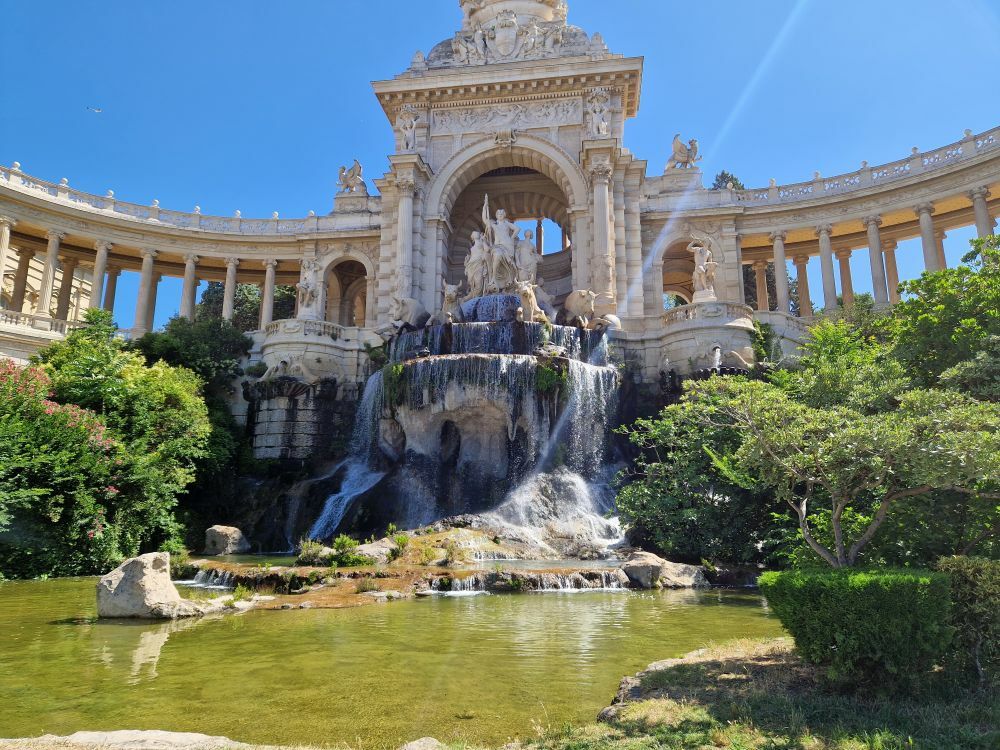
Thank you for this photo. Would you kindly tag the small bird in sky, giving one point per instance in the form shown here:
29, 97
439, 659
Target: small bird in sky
96, 110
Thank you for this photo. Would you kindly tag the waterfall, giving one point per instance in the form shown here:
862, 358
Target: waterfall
564, 582
209, 579
359, 477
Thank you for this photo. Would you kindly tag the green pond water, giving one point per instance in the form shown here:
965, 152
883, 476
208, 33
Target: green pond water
480, 669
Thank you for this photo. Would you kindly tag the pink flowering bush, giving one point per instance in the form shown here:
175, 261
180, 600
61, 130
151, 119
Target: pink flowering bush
58, 477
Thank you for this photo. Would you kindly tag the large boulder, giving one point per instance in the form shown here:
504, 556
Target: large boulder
225, 540
380, 551
648, 571
141, 587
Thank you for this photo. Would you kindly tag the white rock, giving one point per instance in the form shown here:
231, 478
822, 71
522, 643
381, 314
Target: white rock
141, 587
424, 743
134, 740
647, 571
378, 551
225, 540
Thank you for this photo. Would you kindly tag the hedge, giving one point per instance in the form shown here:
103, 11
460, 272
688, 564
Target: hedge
975, 597
879, 629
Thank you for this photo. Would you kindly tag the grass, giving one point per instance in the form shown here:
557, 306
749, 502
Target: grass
758, 695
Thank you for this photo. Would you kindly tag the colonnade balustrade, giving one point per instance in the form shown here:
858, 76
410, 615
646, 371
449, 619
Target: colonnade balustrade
882, 260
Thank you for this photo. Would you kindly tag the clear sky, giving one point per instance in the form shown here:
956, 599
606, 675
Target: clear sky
254, 105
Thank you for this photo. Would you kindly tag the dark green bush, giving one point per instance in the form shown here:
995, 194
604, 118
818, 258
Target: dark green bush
873, 629
975, 614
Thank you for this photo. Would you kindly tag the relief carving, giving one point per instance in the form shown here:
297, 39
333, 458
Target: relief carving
520, 116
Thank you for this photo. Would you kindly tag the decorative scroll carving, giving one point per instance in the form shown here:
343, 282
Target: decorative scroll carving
490, 119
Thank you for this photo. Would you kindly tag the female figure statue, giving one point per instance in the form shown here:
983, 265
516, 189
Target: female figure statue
477, 266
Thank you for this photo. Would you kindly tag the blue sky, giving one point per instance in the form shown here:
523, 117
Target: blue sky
254, 105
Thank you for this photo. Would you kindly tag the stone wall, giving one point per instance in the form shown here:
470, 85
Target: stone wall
293, 420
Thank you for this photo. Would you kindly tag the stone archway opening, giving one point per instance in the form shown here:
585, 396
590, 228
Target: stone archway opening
532, 200
347, 293
678, 268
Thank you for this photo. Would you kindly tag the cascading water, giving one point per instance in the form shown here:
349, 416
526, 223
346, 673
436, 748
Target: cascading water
503, 420
359, 476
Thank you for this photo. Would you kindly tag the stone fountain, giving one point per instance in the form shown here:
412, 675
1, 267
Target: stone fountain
493, 412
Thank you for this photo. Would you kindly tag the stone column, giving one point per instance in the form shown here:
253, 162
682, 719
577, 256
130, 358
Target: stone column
984, 222
190, 286
149, 320
267, 298
879, 290
780, 271
229, 294
939, 241
110, 288
404, 236
927, 239
100, 267
565, 239
21, 280
802, 276
145, 289
826, 264
6, 225
846, 282
760, 279
539, 245
603, 254
65, 289
891, 272
49, 273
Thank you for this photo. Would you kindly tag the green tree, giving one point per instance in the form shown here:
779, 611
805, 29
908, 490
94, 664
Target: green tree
946, 316
246, 304
979, 377
723, 178
853, 462
156, 411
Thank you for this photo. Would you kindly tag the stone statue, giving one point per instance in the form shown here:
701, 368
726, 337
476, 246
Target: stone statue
529, 311
705, 266
407, 122
600, 103
527, 258
578, 309
451, 311
501, 235
683, 156
477, 266
407, 314
308, 294
351, 181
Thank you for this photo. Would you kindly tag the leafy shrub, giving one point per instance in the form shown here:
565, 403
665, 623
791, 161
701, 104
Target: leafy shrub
455, 555
240, 594
975, 597
256, 370
878, 629
365, 584
312, 552
427, 555
344, 543
402, 541
353, 559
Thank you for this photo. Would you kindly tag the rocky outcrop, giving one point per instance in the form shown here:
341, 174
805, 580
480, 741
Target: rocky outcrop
225, 540
647, 571
380, 551
141, 588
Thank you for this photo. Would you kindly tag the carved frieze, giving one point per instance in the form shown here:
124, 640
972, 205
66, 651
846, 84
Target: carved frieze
514, 116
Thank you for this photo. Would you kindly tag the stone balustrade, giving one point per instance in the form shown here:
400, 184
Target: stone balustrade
37, 322
729, 311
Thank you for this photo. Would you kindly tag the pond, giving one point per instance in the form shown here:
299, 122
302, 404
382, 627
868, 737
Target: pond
481, 669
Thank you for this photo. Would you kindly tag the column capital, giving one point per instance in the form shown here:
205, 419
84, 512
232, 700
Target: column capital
800, 260
924, 208
844, 254
781, 234
601, 173
102, 245
232, 262
406, 185
26, 252
69, 264
55, 235
113, 270
822, 229
940, 234
7, 222
874, 219
982, 192
760, 265
889, 245
148, 252
269, 263
191, 258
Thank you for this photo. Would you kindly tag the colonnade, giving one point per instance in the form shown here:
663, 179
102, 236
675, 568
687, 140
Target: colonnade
881, 260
